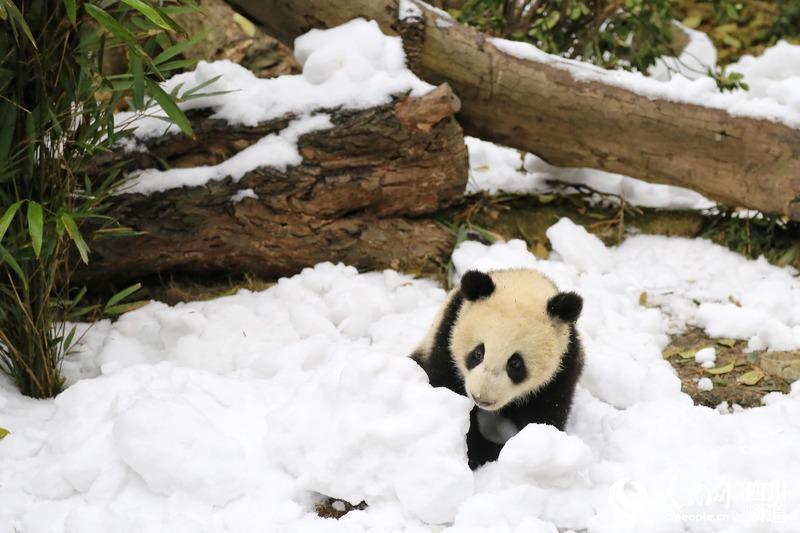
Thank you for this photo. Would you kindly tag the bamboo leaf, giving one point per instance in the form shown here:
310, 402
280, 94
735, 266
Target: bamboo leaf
150, 12
17, 19
3, 433
67, 344
124, 308
75, 234
169, 106
72, 11
7, 217
115, 28
178, 48
35, 226
192, 92
6, 256
121, 295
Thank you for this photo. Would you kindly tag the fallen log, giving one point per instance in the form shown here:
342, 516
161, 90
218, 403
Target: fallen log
363, 195
538, 105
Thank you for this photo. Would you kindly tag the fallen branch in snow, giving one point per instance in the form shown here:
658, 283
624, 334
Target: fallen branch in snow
576, 115
361, 196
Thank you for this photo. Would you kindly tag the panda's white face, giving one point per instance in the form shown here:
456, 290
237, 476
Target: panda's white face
506, 345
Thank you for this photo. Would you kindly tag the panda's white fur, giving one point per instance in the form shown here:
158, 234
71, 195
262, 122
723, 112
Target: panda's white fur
507, 312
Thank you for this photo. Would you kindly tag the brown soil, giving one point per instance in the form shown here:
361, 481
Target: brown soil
727, 385
326, 509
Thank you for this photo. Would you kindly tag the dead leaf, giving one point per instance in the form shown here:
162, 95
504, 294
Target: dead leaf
248, 27
3, 433
643, 299
752, 377
546, 198
693, 20
721, 369
688, 354
541, 251
670, 351
726, 342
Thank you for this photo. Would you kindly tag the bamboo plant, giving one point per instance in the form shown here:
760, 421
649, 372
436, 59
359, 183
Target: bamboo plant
57, 105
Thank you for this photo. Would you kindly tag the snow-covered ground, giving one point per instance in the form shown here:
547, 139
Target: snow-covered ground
238, 413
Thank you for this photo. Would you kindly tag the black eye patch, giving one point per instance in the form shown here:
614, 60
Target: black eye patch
515, 368
475, 357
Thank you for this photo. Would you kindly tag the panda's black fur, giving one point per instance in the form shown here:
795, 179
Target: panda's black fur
550, 404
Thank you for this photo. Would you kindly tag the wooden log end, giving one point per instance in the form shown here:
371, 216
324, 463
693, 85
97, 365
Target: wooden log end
424, 112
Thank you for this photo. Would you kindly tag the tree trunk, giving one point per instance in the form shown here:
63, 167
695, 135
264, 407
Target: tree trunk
364, 195
538, 106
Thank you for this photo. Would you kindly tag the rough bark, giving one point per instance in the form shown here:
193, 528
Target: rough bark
539, 107
364, 195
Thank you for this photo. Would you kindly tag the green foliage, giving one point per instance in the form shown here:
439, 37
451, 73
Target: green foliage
728, 81
787, 23
56, 111
628, 34
774, 237
612, 33
739, 28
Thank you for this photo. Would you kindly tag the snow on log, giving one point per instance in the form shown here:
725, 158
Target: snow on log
576, 115
360, 195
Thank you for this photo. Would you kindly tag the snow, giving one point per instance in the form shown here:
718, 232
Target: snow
705, 384
706, 357
407, 9
242, 194
277, 150
352, 66
774, 78
693, 62
237, 414
494, 169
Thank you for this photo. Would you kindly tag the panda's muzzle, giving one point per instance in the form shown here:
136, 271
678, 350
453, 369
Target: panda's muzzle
481, 403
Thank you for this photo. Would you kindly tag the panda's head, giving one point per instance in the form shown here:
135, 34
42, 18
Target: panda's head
510, 334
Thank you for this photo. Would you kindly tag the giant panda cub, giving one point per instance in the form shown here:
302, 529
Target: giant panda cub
507, 341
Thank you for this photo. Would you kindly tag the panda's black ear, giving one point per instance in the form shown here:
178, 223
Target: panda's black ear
565, 306
476, 285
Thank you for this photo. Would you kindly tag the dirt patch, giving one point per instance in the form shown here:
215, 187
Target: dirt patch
333, 508
731, 374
